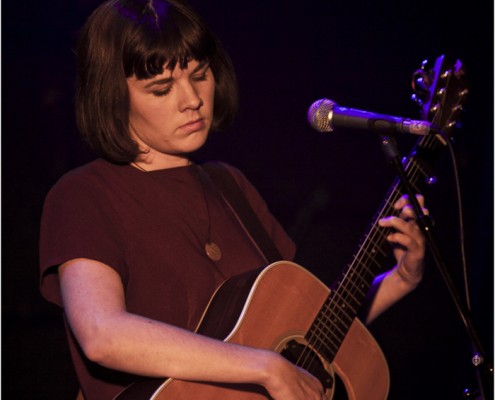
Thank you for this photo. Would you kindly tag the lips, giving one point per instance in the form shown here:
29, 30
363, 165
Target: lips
193, 126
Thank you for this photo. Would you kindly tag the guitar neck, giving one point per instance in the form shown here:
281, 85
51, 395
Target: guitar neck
349, 291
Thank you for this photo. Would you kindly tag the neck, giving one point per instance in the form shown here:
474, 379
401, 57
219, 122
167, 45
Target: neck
148, 164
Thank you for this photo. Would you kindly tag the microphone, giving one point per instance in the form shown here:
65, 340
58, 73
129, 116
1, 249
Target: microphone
325, 115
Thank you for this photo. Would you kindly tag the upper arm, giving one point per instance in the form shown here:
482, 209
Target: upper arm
92, 293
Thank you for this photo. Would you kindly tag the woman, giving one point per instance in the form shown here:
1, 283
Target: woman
134, 244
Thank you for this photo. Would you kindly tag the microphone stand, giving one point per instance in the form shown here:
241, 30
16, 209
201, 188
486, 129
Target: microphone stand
484, 372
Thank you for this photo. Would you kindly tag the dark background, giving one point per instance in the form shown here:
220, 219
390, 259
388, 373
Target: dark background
324, 188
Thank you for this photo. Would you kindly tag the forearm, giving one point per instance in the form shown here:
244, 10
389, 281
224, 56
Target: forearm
145, 347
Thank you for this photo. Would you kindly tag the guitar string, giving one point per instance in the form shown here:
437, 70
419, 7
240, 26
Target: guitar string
320, 332
371, 241
321, 329
417, 170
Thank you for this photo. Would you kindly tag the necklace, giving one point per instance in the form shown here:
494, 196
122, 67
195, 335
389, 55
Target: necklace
212, 250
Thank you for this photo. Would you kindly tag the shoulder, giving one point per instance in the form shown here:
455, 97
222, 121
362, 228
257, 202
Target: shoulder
86, 176
87, 181
91, 170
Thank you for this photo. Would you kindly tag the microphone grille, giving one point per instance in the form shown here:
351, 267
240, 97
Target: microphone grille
319, 115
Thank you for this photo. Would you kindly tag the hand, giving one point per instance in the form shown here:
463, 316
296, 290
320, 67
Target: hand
289, 382
408, 240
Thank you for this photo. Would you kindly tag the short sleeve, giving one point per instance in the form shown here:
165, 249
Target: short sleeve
75, 224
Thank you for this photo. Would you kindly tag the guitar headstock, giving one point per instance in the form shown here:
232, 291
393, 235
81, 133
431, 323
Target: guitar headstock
441, 92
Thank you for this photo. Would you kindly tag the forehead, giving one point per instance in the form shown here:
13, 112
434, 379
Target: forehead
189, 67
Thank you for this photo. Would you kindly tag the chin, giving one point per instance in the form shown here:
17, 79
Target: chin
197, 140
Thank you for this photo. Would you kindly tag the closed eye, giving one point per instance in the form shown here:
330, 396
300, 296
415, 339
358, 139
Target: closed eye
200, 78
159, 93
201, 72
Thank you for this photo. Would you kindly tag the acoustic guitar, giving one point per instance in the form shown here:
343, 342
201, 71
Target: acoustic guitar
285, 308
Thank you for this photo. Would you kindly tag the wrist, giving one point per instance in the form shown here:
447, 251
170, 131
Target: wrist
266, 366
272, 372
405, 276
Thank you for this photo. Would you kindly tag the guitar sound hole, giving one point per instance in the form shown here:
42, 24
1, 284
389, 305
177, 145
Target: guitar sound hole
340, 392
305, 357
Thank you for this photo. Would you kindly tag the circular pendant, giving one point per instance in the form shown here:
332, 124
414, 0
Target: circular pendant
213, 251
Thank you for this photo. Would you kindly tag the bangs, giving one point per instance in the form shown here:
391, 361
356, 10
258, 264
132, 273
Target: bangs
165, 36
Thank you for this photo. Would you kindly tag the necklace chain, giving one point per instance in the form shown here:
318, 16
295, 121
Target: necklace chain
139, 167
212, 250
203, 191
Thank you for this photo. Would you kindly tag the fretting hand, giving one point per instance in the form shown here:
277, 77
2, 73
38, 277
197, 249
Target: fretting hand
408, 240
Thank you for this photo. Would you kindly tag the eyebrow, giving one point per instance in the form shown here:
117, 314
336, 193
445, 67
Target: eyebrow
158, 82
203, 65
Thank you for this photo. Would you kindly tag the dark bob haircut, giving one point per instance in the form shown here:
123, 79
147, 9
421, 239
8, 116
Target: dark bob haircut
123, 38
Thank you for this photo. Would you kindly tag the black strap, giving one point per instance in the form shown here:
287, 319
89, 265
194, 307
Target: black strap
232, 194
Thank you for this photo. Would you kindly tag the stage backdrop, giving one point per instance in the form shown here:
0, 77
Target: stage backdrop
324, 188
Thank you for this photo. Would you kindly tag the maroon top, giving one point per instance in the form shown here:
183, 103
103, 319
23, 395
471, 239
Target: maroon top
151, 228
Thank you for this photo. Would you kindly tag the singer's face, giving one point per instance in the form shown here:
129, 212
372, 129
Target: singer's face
170, 114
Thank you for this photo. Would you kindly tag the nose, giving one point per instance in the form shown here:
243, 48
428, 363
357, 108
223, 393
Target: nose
190, 98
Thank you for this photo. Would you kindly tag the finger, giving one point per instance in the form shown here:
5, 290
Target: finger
409, 227
404, 241
407, 213
393, 222
406, 233
404, 201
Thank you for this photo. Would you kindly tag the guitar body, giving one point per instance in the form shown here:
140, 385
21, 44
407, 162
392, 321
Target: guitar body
278, 306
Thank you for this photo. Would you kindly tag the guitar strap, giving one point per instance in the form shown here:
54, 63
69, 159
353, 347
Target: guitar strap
232, 195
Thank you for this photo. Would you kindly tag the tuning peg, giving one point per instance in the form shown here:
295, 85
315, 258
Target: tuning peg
420, 84
415, 98
472, 394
